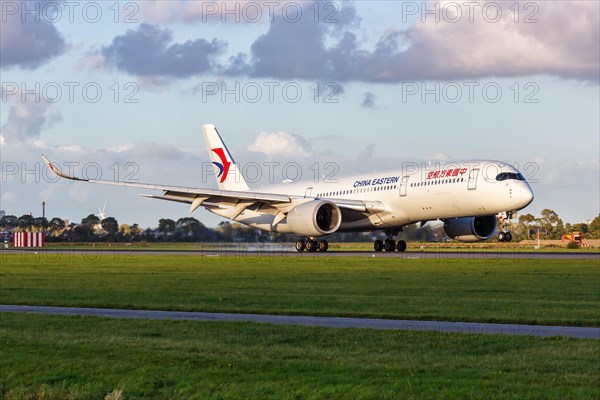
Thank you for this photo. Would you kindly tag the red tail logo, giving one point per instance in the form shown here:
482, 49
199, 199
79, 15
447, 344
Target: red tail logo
223, 165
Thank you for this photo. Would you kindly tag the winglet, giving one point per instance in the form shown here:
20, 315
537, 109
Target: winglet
52, 167
58, 172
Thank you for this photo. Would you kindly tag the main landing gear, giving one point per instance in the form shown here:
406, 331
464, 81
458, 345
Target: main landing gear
504, 235
390, 244
311, 245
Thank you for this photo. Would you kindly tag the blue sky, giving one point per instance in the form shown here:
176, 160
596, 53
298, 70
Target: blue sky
362, 85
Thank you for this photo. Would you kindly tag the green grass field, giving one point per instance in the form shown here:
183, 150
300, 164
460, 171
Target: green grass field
561, 292
58, 357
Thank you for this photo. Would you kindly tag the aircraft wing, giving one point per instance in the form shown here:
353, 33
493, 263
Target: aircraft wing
238, 201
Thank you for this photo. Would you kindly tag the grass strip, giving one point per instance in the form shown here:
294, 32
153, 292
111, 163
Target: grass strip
58, 357
550, 292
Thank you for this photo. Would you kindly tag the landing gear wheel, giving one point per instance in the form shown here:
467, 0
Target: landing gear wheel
300, 246
378, 245
389, 245
401, 246
323, 245
507, 236
312, 246
501, 237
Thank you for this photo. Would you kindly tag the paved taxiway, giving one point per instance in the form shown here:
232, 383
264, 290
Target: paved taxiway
254, 251
335, 322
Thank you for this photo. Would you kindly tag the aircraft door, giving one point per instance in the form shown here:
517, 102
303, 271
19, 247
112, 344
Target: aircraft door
308, 192
403, 185
473, 178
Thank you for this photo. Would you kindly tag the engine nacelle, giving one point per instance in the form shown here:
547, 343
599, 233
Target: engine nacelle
314, 218
471, 229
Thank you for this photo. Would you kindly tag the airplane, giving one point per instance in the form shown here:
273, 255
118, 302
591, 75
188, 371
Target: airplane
465, 195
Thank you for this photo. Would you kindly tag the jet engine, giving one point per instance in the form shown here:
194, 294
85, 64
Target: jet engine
314, 218
471, 229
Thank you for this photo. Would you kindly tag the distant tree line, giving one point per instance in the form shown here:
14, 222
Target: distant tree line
93, 229
549, 226
189, 229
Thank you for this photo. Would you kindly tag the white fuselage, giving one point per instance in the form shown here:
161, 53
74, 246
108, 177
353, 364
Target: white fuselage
411, 194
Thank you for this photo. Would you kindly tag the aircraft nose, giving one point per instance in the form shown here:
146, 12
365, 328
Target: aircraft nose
526, 195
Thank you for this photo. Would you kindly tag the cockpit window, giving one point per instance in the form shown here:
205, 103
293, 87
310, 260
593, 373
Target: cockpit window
510, 175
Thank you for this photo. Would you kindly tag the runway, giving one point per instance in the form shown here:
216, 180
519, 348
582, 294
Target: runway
333, 322
258, 251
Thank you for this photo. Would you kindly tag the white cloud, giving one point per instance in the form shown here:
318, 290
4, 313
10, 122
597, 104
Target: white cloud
563, 42
40, 144
9, 197
72, 148
26, 118
171, 11
281, 143
439, 156
28, 42
121, 148
149, 51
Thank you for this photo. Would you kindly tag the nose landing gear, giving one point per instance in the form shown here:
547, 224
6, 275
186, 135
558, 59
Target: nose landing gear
505, 235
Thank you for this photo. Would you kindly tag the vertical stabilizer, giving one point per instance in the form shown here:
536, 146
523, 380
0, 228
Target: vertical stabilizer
226, 171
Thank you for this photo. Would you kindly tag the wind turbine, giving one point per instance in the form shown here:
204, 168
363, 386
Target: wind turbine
101, 214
